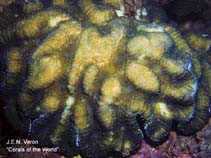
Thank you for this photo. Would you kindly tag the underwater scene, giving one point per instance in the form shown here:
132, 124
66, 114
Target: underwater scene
105, 78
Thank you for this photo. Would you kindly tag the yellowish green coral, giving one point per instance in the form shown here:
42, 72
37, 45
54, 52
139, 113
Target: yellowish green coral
94, 84
30, 7
34, 26
95, 15
142, 77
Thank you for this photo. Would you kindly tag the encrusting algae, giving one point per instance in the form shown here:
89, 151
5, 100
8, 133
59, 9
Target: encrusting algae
95, 84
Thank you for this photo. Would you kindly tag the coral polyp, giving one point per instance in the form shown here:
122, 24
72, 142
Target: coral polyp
81, 78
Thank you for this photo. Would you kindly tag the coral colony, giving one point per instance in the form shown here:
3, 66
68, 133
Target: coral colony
88, 79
